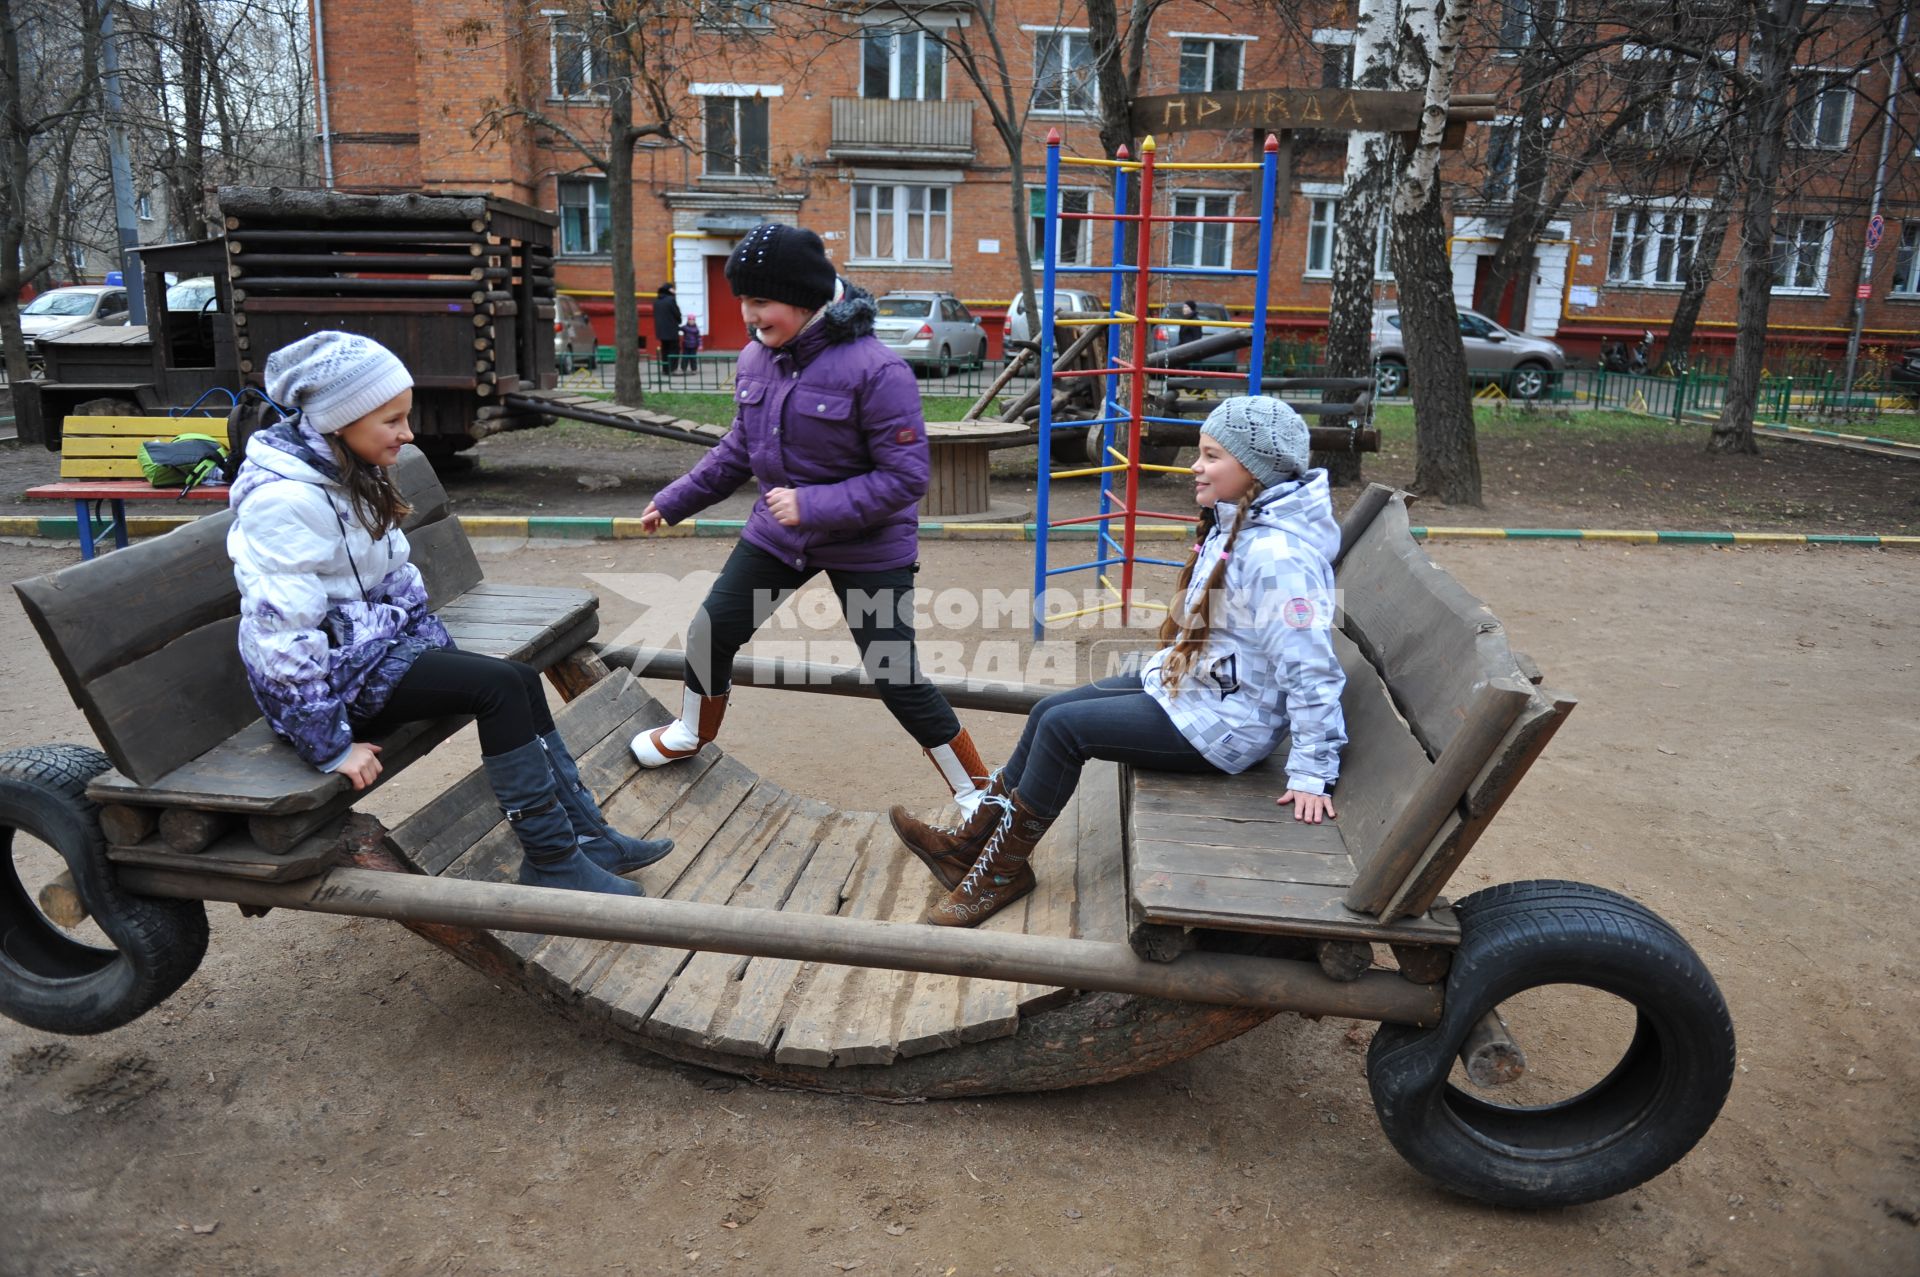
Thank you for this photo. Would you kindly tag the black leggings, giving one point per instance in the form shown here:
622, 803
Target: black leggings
505, 697
1112, 719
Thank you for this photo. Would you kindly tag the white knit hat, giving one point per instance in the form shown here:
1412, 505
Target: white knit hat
333, 379
1262, 434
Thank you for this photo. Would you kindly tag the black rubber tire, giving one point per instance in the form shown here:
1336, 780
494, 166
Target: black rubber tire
1530, 381
47, 979
563, 363
1389, 379
1645, 1115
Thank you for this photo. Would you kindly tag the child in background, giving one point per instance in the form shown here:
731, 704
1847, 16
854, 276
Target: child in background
690, 345
828, 420
335, 635
1249, 657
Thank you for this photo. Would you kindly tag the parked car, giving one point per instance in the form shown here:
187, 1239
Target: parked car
575, 344
196, 294
61, 310
1065, 301
1905, 375
930, 330
1160, 336
1527, 367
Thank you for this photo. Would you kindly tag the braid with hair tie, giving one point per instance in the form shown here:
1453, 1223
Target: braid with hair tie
1187, 629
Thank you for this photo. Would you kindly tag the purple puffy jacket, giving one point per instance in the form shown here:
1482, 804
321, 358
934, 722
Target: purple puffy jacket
834, 415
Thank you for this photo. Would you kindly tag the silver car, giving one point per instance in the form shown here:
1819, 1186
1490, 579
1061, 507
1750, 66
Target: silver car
930, 331
1527, 367
1066, 301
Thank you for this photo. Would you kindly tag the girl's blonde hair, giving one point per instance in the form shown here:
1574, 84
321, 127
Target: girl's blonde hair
1187, 628
371, 493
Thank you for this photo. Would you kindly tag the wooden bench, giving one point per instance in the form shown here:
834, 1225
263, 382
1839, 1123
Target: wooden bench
1443, 719
147, 642
99, 462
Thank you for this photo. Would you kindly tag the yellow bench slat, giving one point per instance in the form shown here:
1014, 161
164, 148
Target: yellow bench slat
116, 448
99, 468
142, 427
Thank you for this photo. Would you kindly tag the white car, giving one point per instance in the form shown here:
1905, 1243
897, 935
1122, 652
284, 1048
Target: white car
1065, 301
60, 310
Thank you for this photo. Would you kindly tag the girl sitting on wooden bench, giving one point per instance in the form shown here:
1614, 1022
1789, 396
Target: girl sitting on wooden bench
1249, 657
335, 634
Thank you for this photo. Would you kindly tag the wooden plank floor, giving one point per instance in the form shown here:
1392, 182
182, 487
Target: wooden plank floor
744, 841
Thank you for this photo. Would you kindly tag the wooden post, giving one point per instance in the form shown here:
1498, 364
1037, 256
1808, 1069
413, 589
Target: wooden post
124, 825
1423, 963
1344, 960
60, 901
186, 830
1491, 1056
1103, 966
577, 672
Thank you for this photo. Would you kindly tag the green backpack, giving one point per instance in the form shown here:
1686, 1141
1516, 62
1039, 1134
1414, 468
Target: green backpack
181, 462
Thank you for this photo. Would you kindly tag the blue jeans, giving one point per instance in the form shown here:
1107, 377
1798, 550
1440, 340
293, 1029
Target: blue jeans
1112, 719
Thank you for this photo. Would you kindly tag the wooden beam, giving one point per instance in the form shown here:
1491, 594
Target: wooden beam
1213, 978
832, 680
1277, 110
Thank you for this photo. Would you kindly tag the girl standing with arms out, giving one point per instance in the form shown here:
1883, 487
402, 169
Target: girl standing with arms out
828, 421
338, 644
1248, 657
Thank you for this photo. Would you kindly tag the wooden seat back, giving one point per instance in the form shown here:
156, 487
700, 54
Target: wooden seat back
146, 638
106, 447
1442, 717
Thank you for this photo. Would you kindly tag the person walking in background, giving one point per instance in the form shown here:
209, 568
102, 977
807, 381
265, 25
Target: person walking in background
690, 344
666, 328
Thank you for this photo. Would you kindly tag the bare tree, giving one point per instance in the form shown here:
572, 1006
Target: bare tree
1447, 455
49, 67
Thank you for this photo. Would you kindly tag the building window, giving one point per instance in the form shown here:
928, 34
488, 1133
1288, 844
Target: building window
900, 223
1063, 77
902, 65
1652, 247
1209, 66
1684, 93
1202, 243
1322, 229
1503, 160
1822, 112
1800, 249
1336, 63
585, 218
143, 208
1906, 263
577, 63
1525, 23
736, 137
1074, 239
736, 13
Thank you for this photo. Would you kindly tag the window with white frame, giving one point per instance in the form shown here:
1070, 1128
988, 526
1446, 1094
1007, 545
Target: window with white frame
736, 136
1063, 77
1525, 23
1822, 111
1209, 65
1502, 168
1201, 243
736, 13
900, 222
1677, 94
586, 218
1906, 263
1801, 246
1073, 238
1336, 58
902, 65
576, 61
1652, 247
143, 208
1323, 225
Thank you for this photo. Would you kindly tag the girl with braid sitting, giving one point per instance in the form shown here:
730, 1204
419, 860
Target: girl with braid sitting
1248, 658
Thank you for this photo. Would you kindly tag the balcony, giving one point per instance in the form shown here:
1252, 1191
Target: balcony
878, 129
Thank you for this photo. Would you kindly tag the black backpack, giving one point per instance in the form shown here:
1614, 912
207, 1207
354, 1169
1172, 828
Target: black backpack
251, 413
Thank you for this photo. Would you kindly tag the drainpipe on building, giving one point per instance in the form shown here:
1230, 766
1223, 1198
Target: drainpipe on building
1873, 211
320, 80
121, 168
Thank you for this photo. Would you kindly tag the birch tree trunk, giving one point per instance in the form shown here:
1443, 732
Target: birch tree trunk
1766, 106
1446, 453
1370, 162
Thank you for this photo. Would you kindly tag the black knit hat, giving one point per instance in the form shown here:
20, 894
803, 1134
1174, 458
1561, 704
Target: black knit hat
782, 264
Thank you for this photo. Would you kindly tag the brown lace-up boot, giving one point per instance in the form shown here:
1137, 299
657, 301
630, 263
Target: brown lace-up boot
1001, 875
949, 853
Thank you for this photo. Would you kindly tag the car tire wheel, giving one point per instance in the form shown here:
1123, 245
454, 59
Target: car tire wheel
945, 365
1389, 379
1530, 381
563, 363
48, 979
1644, 1115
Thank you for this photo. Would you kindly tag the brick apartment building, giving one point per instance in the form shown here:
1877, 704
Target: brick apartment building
857, 126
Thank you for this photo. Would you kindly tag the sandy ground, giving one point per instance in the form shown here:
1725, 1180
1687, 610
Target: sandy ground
330, 1095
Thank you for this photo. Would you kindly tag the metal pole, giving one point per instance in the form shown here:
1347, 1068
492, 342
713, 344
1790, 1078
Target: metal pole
320, 83
1043, 481
1873, 210
1219, 979
122, 170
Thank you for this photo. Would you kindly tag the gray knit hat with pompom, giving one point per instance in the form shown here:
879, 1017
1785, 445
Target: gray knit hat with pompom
1262, 434
333, 379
